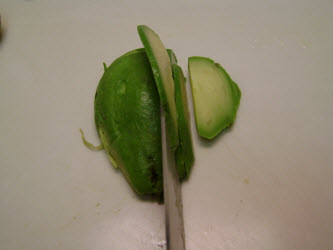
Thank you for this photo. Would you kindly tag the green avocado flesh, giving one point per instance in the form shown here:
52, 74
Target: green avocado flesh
161, 67
184, 152
127, 117
215, 96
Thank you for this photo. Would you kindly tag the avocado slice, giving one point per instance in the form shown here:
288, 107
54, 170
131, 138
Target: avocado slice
172, 57
161, 66
184, 152
127, 117
215, 96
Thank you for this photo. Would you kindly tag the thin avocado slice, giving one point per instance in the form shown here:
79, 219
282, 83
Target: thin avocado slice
184, 152
161, 67
215, 96
172, 57
127, 117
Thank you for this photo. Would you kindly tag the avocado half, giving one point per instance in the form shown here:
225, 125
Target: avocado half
127, 117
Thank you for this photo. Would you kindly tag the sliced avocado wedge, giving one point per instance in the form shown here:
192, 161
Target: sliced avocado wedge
172, 56
215, 96
184, 152
127, 117
161, 67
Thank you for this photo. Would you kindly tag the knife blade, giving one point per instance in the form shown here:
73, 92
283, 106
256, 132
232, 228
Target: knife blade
175, 234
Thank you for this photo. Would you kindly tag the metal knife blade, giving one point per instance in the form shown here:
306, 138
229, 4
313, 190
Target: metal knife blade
175, 235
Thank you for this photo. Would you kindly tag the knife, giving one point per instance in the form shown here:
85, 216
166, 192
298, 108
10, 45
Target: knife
175, 235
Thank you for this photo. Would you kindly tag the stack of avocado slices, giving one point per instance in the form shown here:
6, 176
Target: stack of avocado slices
127, 110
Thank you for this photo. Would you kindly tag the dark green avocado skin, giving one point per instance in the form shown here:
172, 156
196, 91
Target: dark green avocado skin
128, 120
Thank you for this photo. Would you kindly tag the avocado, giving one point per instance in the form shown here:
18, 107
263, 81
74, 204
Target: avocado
216, 96
171, 54
172, 57
184, 152
161, 67
127, 117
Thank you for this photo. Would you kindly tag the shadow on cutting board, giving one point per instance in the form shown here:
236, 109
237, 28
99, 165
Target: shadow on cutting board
2, 32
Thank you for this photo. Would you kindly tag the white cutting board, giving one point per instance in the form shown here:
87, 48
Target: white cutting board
266, 183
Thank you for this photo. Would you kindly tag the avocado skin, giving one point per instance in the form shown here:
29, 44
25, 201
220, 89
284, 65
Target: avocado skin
127, 117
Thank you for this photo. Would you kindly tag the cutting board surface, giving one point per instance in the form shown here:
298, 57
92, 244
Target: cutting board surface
264, 183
